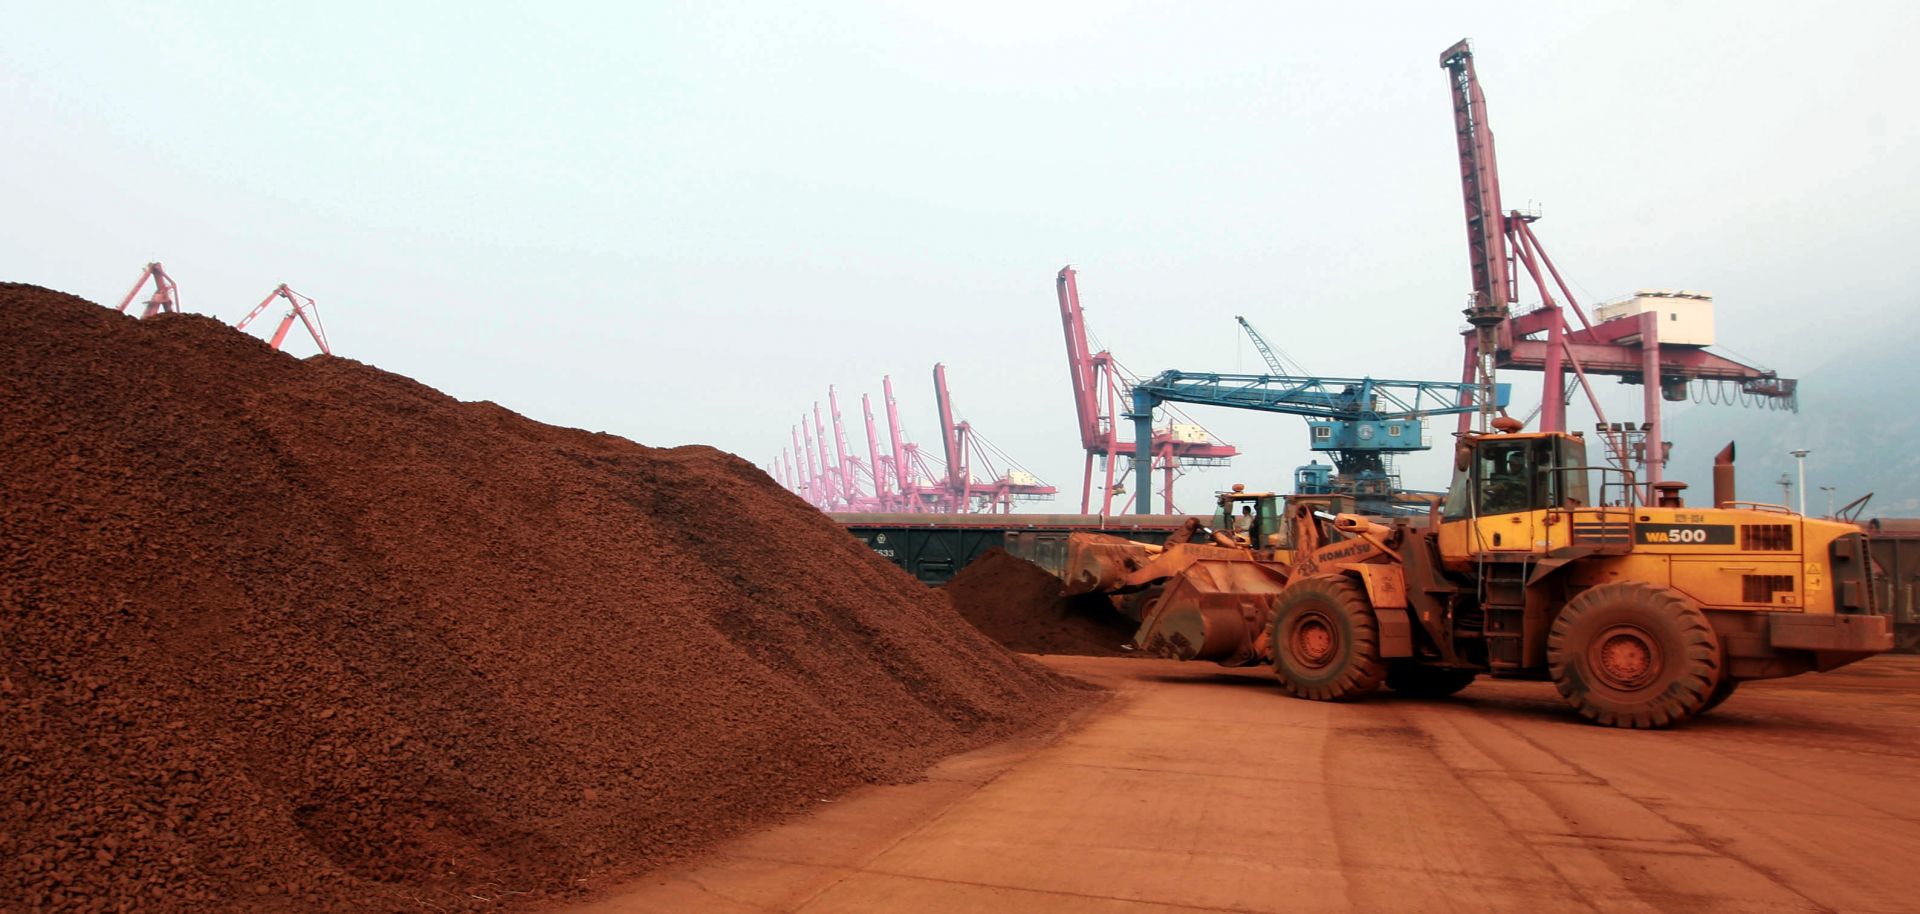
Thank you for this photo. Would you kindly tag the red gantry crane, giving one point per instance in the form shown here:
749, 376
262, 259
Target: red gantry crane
166, 295
1656, 338
1100, 388
299, 307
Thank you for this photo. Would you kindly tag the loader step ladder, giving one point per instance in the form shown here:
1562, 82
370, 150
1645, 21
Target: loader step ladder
1503, 601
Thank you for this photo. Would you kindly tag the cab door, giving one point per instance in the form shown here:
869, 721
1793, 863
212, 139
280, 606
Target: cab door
1512, 532
1507, 493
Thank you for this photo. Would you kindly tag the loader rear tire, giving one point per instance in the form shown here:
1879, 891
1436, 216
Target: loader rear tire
1633, 655
1419, 681
1326, 645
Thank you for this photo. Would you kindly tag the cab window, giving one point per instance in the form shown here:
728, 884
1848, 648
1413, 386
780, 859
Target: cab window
1506, 477
1270, 522
1505, 480
1575, 483
1459, 495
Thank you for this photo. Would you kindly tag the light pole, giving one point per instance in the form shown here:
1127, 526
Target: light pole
1785, 482
1829, 491
1800, 456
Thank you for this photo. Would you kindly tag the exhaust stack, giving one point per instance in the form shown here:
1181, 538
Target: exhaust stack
1723, 477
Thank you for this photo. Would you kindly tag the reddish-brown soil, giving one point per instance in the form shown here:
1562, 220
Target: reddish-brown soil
1207, 790
284, 635
1019, 604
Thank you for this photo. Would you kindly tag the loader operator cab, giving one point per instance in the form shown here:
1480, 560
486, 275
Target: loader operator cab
1251, 518
1515, 473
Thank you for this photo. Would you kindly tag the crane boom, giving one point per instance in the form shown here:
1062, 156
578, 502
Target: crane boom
300, 307
1315, 397
1487, 253
902, 468
1274, 365
1081, 365
1359, 421
1480, 185
828, 475
166, 295
809, 480
950, 441
848, 483
874, 468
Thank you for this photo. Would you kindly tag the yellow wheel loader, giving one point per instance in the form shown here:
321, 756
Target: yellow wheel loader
1536, 566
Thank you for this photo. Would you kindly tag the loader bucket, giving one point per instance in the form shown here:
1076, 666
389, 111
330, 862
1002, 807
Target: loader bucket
1099, 563
1216, 608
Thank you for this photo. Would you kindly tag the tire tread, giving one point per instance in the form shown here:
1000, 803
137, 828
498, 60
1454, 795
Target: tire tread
1700, 657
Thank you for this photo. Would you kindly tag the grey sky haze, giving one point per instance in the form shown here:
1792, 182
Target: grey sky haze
681, 222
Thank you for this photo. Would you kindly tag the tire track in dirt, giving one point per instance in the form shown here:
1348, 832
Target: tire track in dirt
1568, 809
1394, 729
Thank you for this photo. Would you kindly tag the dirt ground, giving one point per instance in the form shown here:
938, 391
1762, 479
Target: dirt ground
1200, 789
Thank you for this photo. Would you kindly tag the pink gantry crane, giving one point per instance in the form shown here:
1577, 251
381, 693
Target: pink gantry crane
300, 307
904, 478
991, 490
1656, 338
877, 471
166, 295
1100, 389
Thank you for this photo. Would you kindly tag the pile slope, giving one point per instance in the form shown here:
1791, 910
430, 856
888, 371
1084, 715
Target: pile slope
286, 635
1022, 606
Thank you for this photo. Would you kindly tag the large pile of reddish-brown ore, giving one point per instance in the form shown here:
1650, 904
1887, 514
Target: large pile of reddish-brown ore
1020, 605
285, 635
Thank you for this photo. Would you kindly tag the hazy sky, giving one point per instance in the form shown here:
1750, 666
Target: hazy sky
681, 222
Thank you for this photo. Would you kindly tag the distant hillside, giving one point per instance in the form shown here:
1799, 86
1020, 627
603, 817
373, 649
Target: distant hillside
1857, 418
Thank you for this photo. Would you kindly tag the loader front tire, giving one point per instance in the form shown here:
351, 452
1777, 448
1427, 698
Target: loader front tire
1633, 655
1326, 645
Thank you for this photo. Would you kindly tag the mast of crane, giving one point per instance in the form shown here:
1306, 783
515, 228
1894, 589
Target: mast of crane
951, 440
1486, 230
902, 470
827, 473
848, 482
881, 496
806, 461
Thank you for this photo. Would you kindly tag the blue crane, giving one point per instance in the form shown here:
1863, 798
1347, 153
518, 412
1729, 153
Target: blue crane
1358, 421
